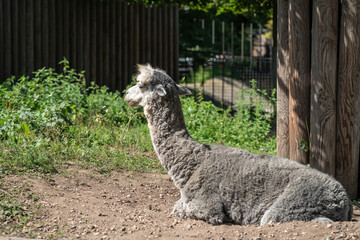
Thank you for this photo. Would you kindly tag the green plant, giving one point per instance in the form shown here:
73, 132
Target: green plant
15, 211
249, 128
304, 145
12, 209
51, 118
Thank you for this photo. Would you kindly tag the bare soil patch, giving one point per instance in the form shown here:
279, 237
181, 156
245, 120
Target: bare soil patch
83, 204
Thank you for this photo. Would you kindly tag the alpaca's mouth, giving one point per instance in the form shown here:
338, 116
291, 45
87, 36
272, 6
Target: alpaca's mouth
131, 102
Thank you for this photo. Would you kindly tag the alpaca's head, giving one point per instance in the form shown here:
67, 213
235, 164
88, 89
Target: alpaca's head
151, 85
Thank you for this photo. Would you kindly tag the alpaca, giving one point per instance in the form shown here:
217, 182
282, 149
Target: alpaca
220, 184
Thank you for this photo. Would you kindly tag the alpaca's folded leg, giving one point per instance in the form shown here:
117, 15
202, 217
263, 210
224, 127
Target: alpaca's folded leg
179, 209
210, 211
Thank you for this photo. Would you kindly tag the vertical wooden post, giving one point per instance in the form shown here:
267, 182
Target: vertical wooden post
323, 85
348, 104
282, 121
299, 82
176, 42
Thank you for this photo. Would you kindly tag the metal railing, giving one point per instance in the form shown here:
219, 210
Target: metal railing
221, 77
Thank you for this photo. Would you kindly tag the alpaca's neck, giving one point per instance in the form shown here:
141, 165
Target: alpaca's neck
174, 146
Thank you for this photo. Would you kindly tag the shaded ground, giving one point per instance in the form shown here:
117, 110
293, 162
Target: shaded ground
83, 204
225, 90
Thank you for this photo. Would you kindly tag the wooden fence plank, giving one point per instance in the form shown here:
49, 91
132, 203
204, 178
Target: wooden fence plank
66, 29
112, 49
14, 37
156, 26
136, 32
282, 121
165, 40
99, 44
86, 40
171, 40
7, 38
45, 33
348, 96
29, 36
22, 38
106, 46
142, 19
175, 59
73, 34
93, 41
299, 81
52, 34
131, 43
2, 50
148, 35
323, 85
37, 34
59, 33
125, 46
119, 33
79, 17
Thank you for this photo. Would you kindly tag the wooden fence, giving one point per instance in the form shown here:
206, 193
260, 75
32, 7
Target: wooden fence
105, 38
318, 44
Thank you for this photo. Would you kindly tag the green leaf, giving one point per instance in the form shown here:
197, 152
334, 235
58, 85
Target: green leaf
25, 129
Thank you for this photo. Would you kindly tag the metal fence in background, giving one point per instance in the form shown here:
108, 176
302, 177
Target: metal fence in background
239, 57
220, 78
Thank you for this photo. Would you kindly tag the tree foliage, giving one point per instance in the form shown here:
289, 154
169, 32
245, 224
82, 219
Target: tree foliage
246, 8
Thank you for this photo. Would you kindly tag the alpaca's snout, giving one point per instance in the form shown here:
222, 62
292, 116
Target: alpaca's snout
127, 98
133, 96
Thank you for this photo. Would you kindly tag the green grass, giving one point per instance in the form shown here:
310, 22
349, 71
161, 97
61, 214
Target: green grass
52, 118
17, 207
250, 127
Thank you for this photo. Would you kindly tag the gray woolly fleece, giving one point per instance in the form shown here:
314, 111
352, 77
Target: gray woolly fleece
221, 184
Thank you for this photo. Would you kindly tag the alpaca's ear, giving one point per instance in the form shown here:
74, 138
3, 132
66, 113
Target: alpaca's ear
160, 90
183, 90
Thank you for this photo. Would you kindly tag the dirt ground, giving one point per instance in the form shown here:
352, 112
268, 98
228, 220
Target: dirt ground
83, 204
